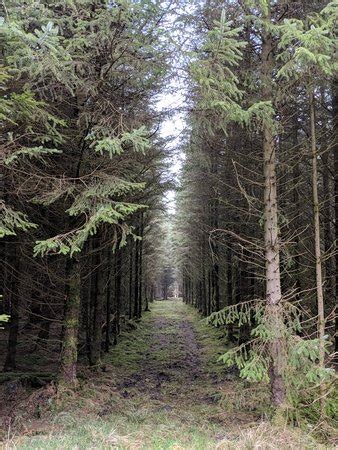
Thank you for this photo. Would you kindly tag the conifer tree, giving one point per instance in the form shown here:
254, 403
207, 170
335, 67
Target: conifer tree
81, 149
240, 89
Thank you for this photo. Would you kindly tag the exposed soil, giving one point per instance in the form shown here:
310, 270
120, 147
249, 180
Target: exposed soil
182, 366
162, 375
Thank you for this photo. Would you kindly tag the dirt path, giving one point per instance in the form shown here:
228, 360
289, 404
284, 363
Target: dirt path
171, 360
162, 388
176, 372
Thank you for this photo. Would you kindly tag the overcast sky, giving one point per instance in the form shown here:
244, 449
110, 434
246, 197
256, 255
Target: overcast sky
173, 128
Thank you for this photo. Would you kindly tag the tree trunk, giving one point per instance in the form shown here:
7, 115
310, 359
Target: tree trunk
108, 300
117, 302
136, 278
10, 362
335, 157
271, 232
140, 268
100, 296
242, 295
68, 360
130, 299
318, 256
230, 302
204, 290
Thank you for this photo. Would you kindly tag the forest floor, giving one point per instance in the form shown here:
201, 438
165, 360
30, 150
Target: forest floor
162, 388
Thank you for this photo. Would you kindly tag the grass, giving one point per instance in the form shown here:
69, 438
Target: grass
162, 389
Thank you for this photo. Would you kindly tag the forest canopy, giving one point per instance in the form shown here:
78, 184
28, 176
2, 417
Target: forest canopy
88, 242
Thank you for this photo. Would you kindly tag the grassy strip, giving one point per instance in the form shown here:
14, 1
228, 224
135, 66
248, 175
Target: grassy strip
163, 389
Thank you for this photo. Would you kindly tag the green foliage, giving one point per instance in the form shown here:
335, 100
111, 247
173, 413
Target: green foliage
301, 372
27, 114
109, 188
111, 146
308, 47
53, 56
4, 318
241, 314
213, 69
72, 242
216, 70
11, 221
30, 152
137, 139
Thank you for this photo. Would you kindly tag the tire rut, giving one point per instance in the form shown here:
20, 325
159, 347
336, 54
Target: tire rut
171, 363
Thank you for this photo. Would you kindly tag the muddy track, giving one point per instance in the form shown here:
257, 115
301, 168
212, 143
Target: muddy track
161, 383
172, 359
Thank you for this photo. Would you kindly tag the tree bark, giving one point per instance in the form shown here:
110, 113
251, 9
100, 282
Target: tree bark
318, 256
68, 360
10, 362
335, 157
117, 290
100, 295
230, 293
136, 276
130, 299
140, 268
108, 300
271, 231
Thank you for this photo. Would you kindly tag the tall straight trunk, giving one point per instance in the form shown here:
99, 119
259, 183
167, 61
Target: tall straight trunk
100, 295
108, 299
199, 296
87, 312
146, 299
185, 288
188, 289
271, 231
204, 277
130, 293
318, 256
140, 269
68, 359
94, 261
214, 243
10, 362
328, 212
216, 287
136, 277
335, 158
204, 290
117, 291
191, 291
242, 295
296, 174
208, 294
230, 294
187, 299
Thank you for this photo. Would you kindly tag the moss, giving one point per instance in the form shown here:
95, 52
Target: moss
144, 401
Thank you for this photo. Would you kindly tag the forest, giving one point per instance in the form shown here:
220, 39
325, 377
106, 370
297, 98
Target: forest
168, 224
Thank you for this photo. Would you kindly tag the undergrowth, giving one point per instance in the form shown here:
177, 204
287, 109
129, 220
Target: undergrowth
162, 388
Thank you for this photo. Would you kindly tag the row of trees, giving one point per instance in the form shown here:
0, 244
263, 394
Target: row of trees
257, 208
81, 176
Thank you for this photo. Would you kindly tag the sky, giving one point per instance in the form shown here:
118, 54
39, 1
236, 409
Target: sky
173, 128
173, 98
